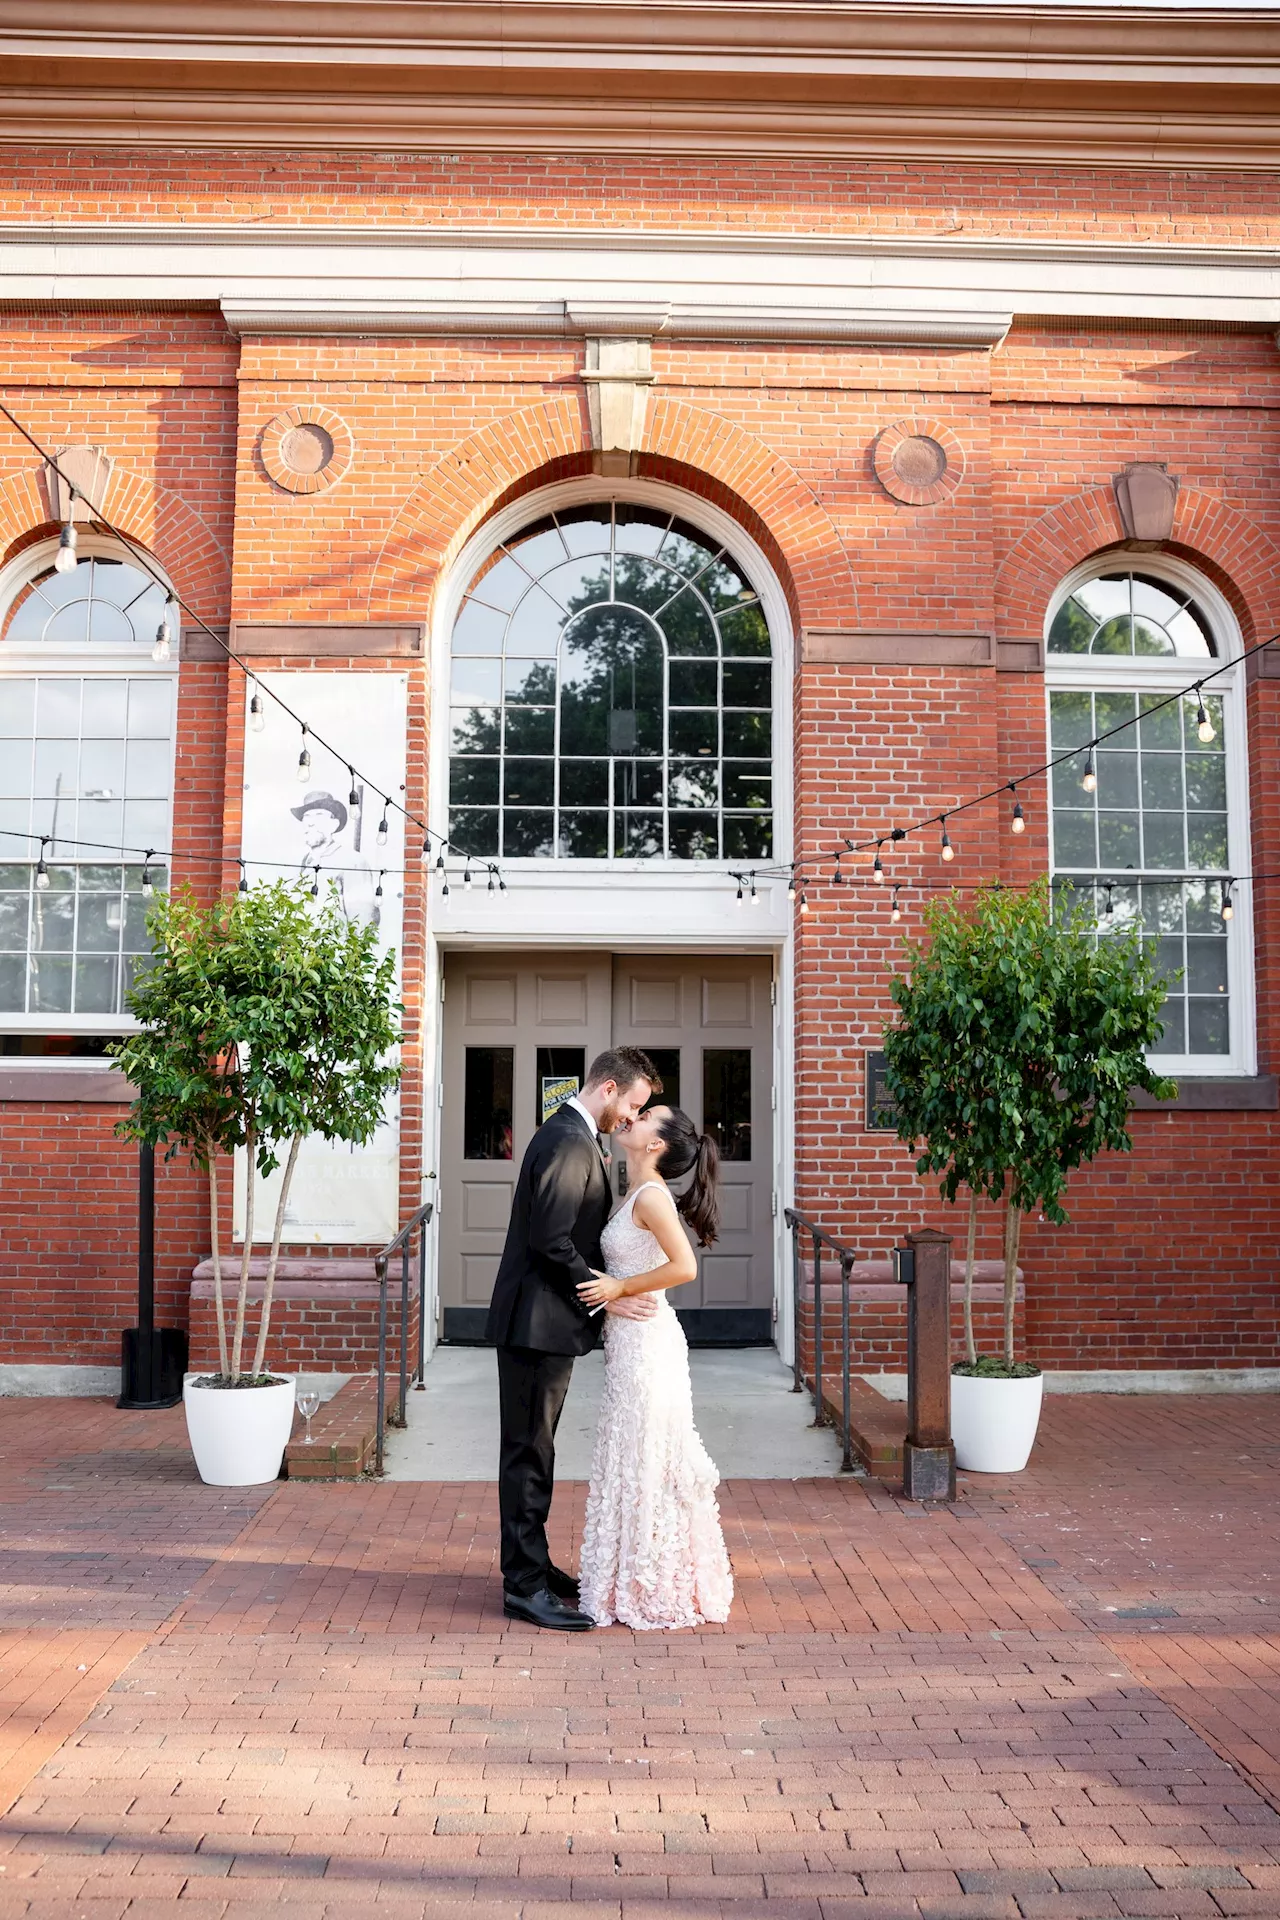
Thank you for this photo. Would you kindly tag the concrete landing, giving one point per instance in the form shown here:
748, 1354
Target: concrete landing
752, 1424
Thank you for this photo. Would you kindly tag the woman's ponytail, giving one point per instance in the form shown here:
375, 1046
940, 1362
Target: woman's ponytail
684, 1148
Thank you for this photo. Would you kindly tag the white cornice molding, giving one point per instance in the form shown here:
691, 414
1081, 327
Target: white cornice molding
956, 290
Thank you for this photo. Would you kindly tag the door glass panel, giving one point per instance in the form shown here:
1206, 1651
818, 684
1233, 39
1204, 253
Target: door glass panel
726, 1100
486, 1124
667, 1061
559, 1076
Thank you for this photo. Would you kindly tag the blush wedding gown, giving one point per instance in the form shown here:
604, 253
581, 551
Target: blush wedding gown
653, 1554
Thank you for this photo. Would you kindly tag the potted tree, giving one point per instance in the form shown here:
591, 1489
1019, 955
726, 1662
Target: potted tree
265, 1020
1020, 1034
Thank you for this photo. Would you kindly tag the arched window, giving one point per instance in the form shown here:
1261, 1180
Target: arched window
1149, 823
86, 781
611, 695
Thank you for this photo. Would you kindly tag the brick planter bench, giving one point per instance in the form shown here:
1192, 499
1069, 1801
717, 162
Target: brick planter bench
343, 1435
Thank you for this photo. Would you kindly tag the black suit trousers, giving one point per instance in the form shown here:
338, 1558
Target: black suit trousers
531, 1391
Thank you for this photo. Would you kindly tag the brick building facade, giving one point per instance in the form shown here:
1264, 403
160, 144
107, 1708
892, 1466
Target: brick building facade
918, 347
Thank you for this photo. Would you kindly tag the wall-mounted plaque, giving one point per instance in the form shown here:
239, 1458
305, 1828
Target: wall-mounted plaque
882, 1113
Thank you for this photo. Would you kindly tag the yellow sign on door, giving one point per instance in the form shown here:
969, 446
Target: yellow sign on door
556, 1089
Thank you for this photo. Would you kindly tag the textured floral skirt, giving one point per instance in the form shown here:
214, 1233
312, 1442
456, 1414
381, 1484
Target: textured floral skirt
653, 1553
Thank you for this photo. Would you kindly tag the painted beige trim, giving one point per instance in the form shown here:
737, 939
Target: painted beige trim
64, 1085
1154, 85
298, 641
846, 648
577, 283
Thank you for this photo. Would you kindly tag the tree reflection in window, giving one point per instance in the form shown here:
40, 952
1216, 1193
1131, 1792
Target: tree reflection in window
611, 696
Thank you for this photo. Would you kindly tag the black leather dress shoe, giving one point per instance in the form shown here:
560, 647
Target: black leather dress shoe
563, 1585
542, 1609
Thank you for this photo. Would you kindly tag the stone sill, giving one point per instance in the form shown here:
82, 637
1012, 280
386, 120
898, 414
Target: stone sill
1232, 1093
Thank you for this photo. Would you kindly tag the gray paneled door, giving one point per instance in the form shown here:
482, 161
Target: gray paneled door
519, 1031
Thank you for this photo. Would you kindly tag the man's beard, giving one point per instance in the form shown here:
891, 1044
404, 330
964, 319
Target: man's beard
611, 1120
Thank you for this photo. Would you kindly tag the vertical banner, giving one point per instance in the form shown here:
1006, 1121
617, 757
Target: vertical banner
340, 1194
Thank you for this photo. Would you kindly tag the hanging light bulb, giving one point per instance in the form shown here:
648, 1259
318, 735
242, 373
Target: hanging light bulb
895, 912
147, 888
1108, 908
353, 797
492, 885
837, 878
244, 884
791, 885
948, 851
426, 848
466, 876
877, 866
257, 718
738, 878
42, 872
1019, 822
444, 890
755, 897
502, 885
164, 636
1204, 725
377, 892
804, 901
304, 760
1089, 778
384, 826
315, 884
66, 558
1228, 906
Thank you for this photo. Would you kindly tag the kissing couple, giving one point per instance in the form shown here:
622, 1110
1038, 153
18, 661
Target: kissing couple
653, 1554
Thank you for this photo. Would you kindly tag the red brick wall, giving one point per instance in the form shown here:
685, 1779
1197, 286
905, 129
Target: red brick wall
1170, 1256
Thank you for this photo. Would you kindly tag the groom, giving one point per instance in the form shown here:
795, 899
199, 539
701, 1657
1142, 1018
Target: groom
538, 1325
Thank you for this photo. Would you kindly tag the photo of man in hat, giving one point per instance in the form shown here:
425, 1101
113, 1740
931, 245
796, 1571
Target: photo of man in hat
328, 848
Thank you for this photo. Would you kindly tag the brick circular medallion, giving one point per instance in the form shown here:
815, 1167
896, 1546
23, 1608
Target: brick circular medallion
919, 462
307, 449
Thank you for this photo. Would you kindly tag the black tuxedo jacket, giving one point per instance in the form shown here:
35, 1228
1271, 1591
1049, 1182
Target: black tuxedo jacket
561, 1204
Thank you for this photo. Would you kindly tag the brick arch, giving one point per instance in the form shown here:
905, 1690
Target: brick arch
160, 520
689, 445
1234, 552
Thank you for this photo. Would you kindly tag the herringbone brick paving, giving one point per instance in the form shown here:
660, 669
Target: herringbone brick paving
910, 1713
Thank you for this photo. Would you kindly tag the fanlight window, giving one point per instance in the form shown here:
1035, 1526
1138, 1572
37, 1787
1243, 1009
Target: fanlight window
1131, 616
611, 696
102, 602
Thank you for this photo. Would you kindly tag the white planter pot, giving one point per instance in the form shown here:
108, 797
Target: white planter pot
993, 1422
238, 1434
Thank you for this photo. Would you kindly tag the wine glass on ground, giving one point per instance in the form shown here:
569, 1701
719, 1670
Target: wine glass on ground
307, 1404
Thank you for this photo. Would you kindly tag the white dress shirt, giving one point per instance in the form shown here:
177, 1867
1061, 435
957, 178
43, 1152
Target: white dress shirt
574, 1102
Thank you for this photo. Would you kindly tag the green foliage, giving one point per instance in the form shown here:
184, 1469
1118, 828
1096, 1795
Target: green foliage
994, 1366
1018, 1042
265, 1020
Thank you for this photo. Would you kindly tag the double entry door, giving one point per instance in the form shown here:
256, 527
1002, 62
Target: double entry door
520, 1030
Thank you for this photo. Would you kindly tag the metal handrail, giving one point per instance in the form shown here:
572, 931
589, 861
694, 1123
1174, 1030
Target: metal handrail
401, 1244
846, 1255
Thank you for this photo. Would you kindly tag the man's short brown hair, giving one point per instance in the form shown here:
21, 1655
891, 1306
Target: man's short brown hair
626, 1065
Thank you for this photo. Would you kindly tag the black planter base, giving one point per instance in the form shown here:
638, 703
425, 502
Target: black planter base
152, 1363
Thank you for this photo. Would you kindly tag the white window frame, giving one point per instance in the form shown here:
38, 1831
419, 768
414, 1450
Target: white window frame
1102, 672
86, 661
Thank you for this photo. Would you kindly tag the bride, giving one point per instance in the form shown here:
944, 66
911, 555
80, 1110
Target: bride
653, 1554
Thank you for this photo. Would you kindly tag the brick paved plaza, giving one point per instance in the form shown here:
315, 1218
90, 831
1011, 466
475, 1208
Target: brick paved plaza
1061, 1698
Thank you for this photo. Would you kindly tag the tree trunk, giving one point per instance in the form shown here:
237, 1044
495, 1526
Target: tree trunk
246, 1255
218, 1304
269, 1285
1013, 1232
970, 1347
